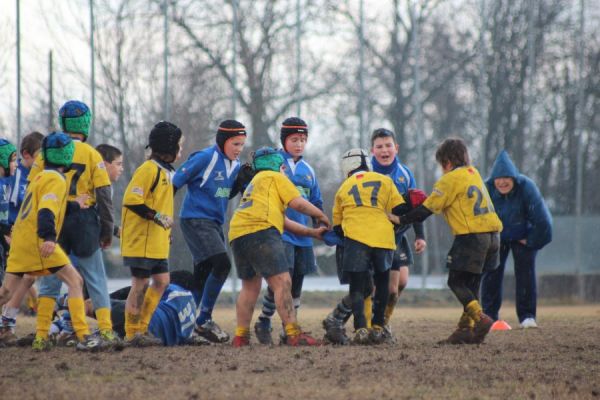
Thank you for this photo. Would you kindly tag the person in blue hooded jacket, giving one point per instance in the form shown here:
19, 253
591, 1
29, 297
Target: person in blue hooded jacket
527, 228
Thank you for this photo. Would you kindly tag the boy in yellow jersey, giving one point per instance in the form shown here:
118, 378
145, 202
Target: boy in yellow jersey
87, 231
461, 196
255, 236
41, 216
146, 221
366, 197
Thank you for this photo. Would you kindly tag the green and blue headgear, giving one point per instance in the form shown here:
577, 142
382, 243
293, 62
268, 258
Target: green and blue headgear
267, 159
7, 149
58, 149
75, 117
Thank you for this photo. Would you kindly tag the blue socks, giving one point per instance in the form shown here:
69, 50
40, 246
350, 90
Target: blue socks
212, 288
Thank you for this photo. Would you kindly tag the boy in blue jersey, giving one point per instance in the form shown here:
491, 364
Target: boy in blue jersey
384, 149
210, 175
298, 249
8, 158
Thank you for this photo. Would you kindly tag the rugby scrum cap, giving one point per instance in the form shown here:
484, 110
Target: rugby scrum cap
75, 117
164, 138
290, 126
355, 159
228, 129
6, 151
267, 159
58, 149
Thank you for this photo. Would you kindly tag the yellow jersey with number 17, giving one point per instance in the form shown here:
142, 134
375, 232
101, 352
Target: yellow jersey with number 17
140, 237
86, 174
263, 204
47, 190
361, 207
465, 202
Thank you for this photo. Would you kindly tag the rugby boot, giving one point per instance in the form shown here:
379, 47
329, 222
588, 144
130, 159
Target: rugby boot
388, 336
41, 344
302, 339
196, 340
8, 337
482, 327
463, 333
240, 341
361, 337
335, 332
213, 332
263, 329
25, 341
65, 339
111, 338
376, 334
92, 344
143, 340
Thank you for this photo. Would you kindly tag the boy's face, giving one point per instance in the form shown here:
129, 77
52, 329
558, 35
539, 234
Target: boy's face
233, 147
27, 159
504, 184
115, 168
13, 163
384, 150
181, 140
295, 143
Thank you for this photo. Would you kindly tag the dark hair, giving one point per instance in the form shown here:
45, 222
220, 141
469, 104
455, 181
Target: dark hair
31, 143
454, 151
382, 133
108, 152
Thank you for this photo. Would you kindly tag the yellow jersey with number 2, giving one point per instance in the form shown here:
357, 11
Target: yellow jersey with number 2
361, 207
465, 202
47, 190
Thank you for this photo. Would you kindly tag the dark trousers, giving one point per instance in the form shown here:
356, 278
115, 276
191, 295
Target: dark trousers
526, 293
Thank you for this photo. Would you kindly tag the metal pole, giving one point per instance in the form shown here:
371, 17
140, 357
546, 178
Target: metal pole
234, 5
481, 103
298, 88
18, 72
530, 71
93, 71
579, 133
166, 105
417, 103
361, 73
50, 93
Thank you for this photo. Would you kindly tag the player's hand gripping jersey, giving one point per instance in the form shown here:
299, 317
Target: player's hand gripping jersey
86, 174
465, 202
361, 207
263, 204
48, 190
151, 186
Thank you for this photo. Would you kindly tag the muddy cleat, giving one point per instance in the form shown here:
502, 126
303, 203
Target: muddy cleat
111, 339
196, 340
388, 336
41, 344
92, 344
376, 335
65, 339
263, 329
213, 332
26, 341
482, 327
240, 341
8, 338
361, 337
335, 332
302, 339
460, 336
143, 340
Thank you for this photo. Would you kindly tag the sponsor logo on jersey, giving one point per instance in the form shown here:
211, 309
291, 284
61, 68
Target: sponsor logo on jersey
223, 192
101, 165
401, 179
219, 176
137, 190
50, 196
437, 191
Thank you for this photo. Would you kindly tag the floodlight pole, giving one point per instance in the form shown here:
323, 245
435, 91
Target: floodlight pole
166, 102
50, 93
579, 132
18, 72
92, 72
361, 75
298, 88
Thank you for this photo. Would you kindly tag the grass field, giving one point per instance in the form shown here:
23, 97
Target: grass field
561, 359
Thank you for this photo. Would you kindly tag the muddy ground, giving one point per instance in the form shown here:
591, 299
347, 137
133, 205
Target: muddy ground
559, 360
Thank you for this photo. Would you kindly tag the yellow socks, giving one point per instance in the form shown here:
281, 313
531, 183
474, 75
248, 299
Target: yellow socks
151, 300
473, 310
103, 318
242, 331
389, 308
292, 329
44, 316
368, 311
465, 321
132, 324
77, 310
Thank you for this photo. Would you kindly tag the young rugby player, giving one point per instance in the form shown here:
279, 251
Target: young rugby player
146, 221
41, 216
113, 161
8, 164
298, 249
255, 235
461, 195
210, 175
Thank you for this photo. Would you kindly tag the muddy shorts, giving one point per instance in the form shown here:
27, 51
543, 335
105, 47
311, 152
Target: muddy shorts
142, 267
402, 255
359, 257
260, 253
300, 259
204, 238
474, 252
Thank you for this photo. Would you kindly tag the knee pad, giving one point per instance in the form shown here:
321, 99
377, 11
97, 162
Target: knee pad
220, 265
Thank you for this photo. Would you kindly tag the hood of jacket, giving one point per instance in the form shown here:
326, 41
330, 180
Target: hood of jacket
504, 167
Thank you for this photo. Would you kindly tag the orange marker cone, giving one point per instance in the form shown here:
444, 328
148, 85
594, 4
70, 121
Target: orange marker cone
501, 326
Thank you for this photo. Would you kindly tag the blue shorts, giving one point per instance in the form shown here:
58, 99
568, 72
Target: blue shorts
300, 259
204, 238
259, 253
359, 257
402, 255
